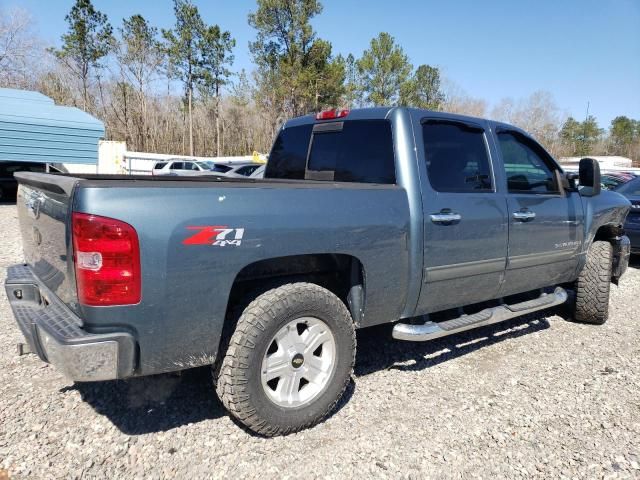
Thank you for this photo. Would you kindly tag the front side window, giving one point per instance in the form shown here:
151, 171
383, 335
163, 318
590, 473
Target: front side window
357, 151
527, 166
456, 156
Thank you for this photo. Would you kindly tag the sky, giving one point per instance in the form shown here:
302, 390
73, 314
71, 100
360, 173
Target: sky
582, 51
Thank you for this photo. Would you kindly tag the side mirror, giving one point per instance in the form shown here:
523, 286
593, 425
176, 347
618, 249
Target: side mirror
590, 177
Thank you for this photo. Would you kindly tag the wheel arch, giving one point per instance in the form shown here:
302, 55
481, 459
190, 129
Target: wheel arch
342, 274
607, 232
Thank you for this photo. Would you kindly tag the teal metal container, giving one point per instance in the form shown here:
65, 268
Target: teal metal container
34, 129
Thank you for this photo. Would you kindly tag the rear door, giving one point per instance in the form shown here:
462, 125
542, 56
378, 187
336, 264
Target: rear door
465, 216
545, 219
176, 168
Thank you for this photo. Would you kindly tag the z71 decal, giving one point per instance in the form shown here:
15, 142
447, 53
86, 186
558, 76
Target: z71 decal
216, 235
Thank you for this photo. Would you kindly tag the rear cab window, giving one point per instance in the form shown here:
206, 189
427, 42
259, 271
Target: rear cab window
457, 157
337, 151
159, 165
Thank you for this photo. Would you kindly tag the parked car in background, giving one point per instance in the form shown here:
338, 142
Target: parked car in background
244, 170
258, 172
631, 190
8, 184
612, 180
180, 167
233, 169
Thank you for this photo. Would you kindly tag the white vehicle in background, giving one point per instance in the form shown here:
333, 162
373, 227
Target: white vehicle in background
180, 167
234, 169
258, 172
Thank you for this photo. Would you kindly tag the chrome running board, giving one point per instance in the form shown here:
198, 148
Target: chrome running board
431, 330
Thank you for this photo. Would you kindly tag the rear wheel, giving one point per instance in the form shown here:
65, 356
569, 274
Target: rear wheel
289, 359
593, 285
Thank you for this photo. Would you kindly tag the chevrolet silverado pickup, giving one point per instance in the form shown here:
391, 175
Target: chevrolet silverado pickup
436, 222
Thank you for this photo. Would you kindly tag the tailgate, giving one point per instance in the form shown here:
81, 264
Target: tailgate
44, 206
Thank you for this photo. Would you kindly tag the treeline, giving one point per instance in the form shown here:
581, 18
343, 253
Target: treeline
176, 91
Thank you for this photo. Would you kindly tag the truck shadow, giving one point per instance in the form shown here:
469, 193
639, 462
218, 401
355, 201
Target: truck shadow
162, 402
155, 403
412, 356
634, 261
158, 403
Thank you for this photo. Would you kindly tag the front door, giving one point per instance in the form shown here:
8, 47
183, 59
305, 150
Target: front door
545, 220
465, 218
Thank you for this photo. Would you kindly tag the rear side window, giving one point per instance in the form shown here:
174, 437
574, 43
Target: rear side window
456, 156
528, 168
353, 151
288, 157
159, 165
176, 166
248, 170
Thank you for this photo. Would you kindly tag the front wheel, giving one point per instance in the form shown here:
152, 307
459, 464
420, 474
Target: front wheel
289, 359
593, 285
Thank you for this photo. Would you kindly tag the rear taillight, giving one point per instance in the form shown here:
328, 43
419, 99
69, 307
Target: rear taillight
106, 253
331, 114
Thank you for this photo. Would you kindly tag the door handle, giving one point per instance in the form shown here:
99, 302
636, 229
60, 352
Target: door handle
524, 215
445, 217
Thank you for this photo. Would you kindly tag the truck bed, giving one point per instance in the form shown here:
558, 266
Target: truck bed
186, 283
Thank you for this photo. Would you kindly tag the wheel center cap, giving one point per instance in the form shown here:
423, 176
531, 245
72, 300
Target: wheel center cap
297, 361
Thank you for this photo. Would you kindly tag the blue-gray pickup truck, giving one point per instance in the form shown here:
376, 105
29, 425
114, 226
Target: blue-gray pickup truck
436, 222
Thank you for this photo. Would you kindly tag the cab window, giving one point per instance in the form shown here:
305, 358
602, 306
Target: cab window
528, 167
457, 157
352, 151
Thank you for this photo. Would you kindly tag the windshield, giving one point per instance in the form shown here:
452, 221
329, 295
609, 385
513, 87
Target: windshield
630, 188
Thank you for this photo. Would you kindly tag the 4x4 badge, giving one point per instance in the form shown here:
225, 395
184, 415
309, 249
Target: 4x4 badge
216, 235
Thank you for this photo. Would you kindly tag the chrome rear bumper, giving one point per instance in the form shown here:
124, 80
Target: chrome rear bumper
57, 335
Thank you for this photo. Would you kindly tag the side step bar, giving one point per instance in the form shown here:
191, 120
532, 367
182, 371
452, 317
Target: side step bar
488, 316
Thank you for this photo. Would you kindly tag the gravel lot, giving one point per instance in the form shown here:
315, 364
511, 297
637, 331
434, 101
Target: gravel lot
537, 397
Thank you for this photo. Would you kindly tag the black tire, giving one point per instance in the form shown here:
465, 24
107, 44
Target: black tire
239, 383
593, 285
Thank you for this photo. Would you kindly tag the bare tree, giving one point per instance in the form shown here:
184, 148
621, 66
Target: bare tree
20, 49
538, 114
459, 101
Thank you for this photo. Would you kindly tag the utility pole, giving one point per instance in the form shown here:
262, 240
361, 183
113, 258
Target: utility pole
584, 130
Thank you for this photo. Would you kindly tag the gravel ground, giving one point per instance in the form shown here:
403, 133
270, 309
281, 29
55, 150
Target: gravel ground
539, 397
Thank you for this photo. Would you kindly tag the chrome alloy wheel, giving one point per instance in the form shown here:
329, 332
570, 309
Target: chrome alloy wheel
299, 362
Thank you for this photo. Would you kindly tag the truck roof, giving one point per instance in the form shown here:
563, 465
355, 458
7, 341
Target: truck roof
371, 113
